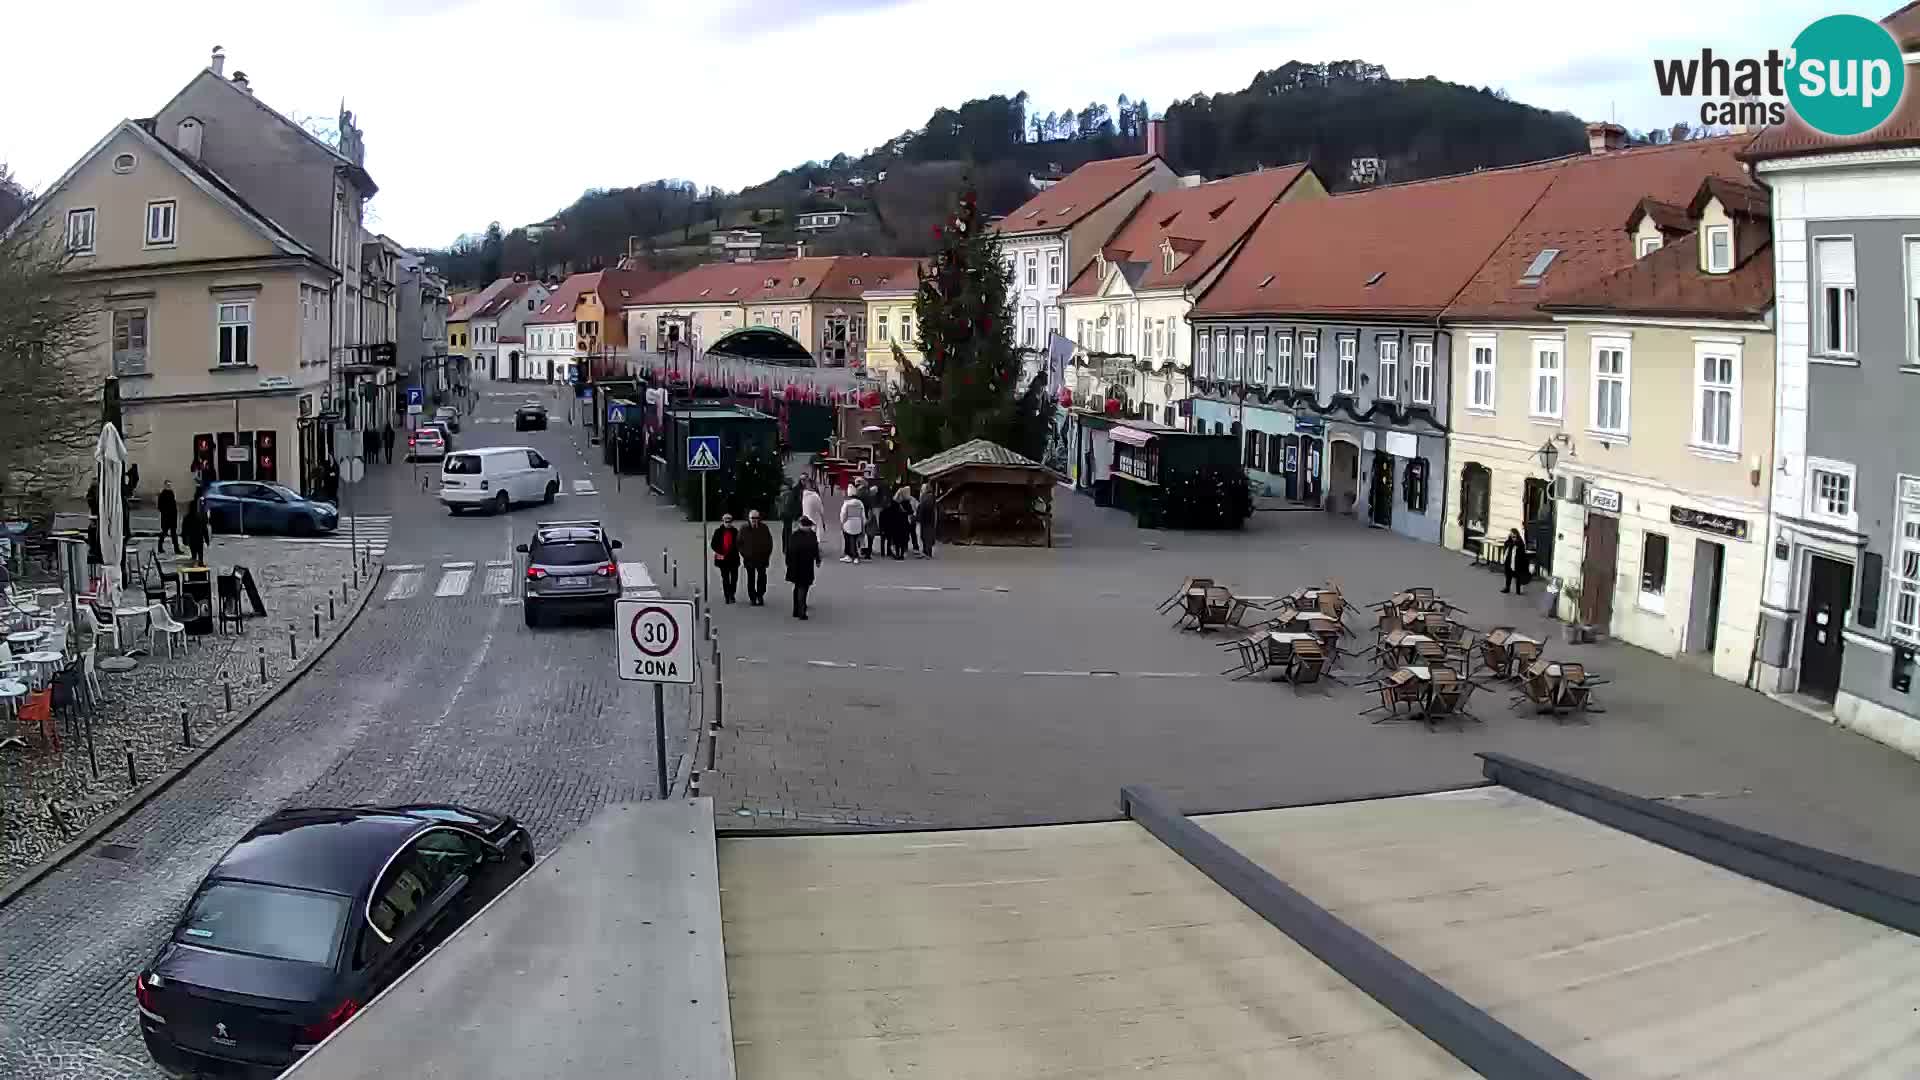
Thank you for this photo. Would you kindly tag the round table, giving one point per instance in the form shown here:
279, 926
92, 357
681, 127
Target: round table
44, 659
12, 692
50, 598
26, 637
118, 664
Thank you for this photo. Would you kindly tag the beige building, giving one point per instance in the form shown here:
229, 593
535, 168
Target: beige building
815, 301
889, 325
214, 318
1656, 404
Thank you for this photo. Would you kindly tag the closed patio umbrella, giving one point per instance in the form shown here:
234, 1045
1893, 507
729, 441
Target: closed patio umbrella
110, 463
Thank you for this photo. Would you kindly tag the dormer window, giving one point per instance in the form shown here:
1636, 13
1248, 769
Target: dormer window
854, 280
1719, 248
1537, 269
1646, 246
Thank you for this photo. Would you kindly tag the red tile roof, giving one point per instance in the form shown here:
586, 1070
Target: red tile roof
1315, 256
1904, 25
837, 277
623, 288
1083, 191
1203, 222
1670, 282
1581, 214
474, 301
559, 305
1666, 216
502, 300
1794, 138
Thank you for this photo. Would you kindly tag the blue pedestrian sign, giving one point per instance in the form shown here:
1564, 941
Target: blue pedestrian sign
703, 453
616, 414
416, 398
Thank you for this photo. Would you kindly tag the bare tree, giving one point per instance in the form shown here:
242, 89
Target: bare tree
48, 378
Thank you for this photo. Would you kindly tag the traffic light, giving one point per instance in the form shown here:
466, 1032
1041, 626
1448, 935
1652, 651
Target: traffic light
264, 457
202, 454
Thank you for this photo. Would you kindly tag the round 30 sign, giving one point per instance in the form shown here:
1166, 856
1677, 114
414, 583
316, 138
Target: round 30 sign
654, 646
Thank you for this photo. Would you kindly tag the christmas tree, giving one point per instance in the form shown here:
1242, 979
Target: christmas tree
965, 386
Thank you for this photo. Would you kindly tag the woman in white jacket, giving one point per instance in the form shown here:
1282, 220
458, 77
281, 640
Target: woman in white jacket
853, 522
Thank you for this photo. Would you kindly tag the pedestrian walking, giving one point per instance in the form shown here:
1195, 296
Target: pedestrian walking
169, 517
332, 481
1516, 562
912, 497
893, 529
874, 500
725, 546
853, 526
803, 554
927, 516
789, 511
386, 441
756, 551
194, 531
370, 444
812, 506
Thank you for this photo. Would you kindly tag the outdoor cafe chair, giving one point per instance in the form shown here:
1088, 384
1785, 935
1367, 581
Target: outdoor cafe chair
37, 712
161, 624
1308, 666
1401, 698
1448, 696
1576, 689
1179, 595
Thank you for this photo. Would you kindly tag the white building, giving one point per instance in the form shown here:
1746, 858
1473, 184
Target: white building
495, 329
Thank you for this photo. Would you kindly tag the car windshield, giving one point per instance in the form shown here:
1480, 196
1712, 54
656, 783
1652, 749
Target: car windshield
570, 553
266, 920
462, 465
430, 434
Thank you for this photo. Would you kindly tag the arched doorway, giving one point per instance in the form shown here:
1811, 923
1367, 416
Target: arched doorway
1343, 480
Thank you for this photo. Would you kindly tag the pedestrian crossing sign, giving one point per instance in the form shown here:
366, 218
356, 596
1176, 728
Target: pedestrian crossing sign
703, 453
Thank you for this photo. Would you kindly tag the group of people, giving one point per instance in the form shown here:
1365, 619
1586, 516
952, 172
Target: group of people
904, 522
750, 546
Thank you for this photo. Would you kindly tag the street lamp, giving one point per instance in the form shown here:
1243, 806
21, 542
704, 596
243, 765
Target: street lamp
1548, 455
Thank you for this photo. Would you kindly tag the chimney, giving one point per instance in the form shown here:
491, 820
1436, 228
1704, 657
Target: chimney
219, 64
1157, 137
1602, 138
240, 80
187, 138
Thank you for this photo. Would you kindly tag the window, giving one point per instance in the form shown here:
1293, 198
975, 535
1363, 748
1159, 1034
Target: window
1537, 269
1026, 336
1310, 360
1160, 338
1033, 268
1716, 398
130, 341
124, 163
1719, 249
1913, 301
1423, 372
1240, 356
1261, 371
1647, 245
1053, 322
1201, 362
1480, 373
1833, 263
880, 326
1283, 359
236, 333
160, 223
1610, 380
1546, 380
80, 232
1349, 364
1653, 572
906, 325
1415, 485
1906, 563
1053, 268
1388, 385
266, 920
1119, 335
1221, 368
1830, 492
1080, 332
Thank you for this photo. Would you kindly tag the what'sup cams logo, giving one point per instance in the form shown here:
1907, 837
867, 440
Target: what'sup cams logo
1843, 76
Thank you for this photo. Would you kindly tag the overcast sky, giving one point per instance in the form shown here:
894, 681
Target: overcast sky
482, 111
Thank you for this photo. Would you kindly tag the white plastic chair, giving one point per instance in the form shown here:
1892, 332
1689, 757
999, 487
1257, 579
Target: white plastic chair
163, 625
101, 626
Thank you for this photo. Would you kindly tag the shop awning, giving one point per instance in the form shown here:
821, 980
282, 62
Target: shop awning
1131, 436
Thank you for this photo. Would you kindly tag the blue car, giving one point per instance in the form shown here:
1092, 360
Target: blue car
246, 506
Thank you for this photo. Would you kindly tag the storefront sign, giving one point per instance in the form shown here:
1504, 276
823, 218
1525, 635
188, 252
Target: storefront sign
1309, 425
1402, 444
275, 382
1718, 524
1601, 498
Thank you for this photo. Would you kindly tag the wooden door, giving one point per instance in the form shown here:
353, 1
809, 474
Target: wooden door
1829, 593
1597, 570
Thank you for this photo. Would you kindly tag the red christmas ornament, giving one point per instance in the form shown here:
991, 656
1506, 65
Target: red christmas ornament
936, 232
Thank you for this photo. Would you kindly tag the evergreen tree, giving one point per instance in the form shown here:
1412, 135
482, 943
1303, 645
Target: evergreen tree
965, 388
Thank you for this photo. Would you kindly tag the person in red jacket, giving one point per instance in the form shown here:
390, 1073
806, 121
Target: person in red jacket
726, 555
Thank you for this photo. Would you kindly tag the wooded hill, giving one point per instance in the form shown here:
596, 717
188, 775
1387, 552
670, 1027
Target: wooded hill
1325, 114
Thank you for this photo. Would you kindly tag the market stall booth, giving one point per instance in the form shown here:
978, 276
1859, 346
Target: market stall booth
987, 494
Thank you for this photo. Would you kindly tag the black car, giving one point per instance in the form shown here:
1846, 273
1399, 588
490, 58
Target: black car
307, 918
530, 417
571, 569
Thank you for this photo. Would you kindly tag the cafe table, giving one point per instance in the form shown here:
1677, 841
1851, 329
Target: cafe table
45, 662
26, 638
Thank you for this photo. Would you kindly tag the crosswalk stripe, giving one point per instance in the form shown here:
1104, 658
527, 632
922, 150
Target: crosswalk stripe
583, 487
635, 575
453, 583
499, 581
404, 586
370, 533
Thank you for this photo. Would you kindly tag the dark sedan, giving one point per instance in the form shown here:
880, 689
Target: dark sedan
530, 417
247, 506
307, 918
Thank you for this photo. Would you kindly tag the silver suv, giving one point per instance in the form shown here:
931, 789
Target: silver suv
571, 568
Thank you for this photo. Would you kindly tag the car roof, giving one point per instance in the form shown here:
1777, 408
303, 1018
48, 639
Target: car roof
329, 850
568, 532
490, 451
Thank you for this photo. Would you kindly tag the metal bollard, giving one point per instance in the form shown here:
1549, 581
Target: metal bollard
331, 615
133, 778
719, 688
263, 665
186, 729
663, 562
226, 687
293, 644
676, 573
713, 735
316, 622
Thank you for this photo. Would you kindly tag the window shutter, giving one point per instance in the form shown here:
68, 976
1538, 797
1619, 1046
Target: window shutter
1836, 262
1871, 572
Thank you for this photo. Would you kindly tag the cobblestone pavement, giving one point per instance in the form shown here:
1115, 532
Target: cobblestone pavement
50, 796
431, 694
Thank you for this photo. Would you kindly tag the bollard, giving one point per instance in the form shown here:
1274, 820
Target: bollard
263, 665
663, 562
226, 687
693, 784
676, 573
719, 688
316, 622
330, 612
293, 644
133, 778
713, 734
186, 729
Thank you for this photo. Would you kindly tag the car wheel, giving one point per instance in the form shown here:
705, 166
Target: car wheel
553, 488
532, 617
501, 503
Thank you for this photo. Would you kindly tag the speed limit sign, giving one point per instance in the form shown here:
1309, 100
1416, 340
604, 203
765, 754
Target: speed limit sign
655, 640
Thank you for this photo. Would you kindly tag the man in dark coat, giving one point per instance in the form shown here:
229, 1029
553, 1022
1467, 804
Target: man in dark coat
926, 514
875, 501
1516, 562
332, 482
803, 554
194, 531
725, 545
169, 517
756, 551
386, 441
789, 512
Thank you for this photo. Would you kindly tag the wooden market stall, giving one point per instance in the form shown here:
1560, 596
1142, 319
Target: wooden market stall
1147, 469
987, 494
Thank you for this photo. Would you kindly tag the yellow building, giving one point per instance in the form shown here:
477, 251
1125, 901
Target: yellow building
890, 326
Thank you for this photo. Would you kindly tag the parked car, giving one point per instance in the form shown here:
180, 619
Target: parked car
448, 415
427, 443
256, 507
496, 477
571, 569
531, 416
308, 917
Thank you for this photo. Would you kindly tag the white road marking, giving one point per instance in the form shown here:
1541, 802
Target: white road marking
584, 487
456, 566
635, 575
499, 562
914, 588
454, 583
397, 567
499, 581
508, 601
405, 586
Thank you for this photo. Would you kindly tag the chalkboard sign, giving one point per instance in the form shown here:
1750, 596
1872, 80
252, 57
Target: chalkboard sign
1687, 517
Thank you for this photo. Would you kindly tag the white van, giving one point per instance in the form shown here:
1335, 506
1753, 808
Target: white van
496, 477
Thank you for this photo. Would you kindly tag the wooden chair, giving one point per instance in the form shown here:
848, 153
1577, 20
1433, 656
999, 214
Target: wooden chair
1179, 595
227, 604
1309, 664
1448, 696
1576, 689
1536, 689
1401, 700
